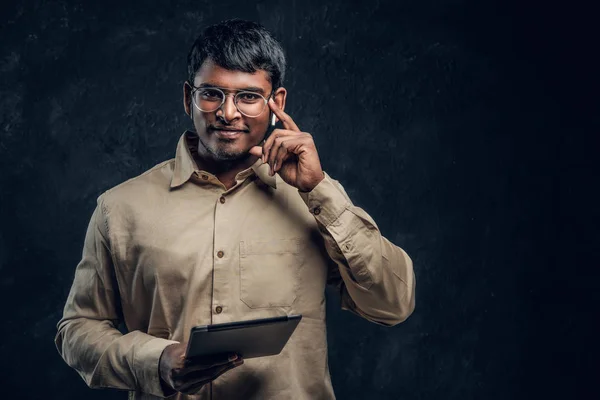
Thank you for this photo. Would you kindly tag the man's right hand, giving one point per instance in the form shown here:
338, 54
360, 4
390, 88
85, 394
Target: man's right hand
189, 375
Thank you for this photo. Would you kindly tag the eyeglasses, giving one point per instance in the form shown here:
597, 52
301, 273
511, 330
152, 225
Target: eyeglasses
209, 99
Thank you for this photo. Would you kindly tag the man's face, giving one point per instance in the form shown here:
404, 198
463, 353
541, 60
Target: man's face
226, 134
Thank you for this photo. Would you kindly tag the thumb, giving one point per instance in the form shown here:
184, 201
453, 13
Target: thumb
256, 151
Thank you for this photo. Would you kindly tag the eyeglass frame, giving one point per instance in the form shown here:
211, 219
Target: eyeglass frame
221, 89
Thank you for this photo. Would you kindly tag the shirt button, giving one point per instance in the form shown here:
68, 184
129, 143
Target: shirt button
347, 246
220, 254
317, 210
219, 309
222, 200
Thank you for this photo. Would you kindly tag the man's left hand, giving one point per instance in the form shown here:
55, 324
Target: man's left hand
291, 153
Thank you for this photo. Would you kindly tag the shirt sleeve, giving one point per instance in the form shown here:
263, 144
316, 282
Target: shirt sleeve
377, 279
87, 337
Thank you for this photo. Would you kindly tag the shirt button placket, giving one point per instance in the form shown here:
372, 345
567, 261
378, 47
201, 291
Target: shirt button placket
221, 276
216, 297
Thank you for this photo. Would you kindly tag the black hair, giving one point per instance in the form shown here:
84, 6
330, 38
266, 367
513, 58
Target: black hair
238, 45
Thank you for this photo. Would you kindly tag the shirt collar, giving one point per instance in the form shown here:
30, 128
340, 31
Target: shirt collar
262, 171
185, 166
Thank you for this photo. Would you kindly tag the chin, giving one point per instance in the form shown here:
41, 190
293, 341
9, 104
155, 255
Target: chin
228, 155
224, 150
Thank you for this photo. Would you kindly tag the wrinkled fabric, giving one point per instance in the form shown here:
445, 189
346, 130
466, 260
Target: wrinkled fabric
172, 248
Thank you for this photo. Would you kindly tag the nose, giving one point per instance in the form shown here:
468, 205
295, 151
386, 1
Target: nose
228, 110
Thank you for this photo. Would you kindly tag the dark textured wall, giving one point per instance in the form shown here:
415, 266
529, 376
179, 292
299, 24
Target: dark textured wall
458, 125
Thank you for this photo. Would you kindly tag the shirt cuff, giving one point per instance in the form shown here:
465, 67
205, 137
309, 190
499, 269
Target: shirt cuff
325, 201
147, 367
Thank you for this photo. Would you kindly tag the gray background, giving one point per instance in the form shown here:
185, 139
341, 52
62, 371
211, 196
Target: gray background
462, 127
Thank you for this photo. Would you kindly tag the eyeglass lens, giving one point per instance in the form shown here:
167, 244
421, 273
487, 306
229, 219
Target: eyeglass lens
250, 104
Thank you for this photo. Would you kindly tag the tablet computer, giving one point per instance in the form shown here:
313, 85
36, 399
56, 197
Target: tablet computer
252, 338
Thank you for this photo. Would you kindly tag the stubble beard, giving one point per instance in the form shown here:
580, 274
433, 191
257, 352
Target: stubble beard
220, 153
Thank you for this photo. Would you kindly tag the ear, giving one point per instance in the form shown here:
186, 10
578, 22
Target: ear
187, 98
279, 98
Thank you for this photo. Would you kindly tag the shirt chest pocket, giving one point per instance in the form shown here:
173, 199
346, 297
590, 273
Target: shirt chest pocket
269, 271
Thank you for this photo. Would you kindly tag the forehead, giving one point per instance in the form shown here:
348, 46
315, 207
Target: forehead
213, 74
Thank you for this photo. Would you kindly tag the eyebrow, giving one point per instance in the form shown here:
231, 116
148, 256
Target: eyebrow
247, 88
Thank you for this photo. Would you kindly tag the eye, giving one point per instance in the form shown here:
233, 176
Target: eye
210, 94
249, 97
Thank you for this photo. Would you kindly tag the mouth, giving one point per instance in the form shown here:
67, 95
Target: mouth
227, 133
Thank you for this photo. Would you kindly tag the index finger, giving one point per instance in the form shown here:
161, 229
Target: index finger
285, 119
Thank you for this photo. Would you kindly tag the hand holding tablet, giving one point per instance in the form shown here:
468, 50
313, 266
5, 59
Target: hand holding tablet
187, 376
215, 349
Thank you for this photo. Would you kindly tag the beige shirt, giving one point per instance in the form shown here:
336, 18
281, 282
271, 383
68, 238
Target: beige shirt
173, 248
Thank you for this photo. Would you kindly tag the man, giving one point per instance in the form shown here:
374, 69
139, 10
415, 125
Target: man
233, 228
